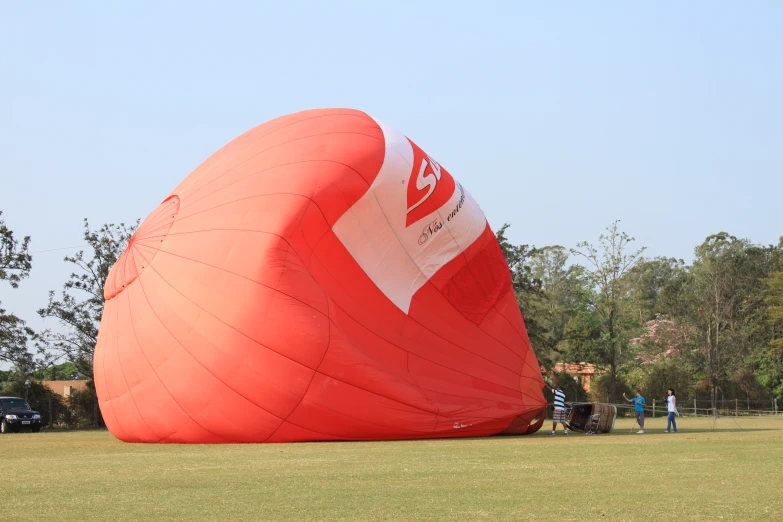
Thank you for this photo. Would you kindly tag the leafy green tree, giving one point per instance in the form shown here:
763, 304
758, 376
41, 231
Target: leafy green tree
655, 288
774, 301
713, 327
518, 260
561, 302
727, 289
81, 406
607, 265
659, 300
526, 287
80, 305
654, 379
15, 259
602, 385
15, 265
66, 371
771, 368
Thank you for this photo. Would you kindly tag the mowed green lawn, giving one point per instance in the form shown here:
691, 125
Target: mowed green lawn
697, 474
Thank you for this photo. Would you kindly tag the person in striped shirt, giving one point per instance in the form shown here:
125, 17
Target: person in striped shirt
559, 413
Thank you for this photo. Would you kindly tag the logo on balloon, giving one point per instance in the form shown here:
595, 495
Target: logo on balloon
430, 186
436, 225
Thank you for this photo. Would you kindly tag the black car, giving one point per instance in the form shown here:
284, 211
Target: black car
15, 415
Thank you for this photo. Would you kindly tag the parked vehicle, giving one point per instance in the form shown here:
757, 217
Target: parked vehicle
16, 415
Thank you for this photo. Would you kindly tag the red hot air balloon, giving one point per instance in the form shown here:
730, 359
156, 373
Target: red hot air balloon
318, 278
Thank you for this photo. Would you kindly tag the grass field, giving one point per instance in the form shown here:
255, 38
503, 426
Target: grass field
697, 474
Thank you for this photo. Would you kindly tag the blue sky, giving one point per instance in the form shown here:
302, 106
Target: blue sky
558, 119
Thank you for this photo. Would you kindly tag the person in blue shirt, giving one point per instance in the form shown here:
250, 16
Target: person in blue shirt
638, 406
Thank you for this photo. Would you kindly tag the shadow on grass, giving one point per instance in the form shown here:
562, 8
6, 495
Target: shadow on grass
543, 433
73, 430
618, 432
722, 426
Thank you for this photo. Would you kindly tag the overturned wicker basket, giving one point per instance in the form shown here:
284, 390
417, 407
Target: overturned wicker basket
592, 417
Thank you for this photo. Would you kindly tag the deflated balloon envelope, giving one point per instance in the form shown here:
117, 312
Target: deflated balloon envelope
318, 278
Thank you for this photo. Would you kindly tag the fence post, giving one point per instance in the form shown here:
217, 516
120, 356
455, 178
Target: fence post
736, 407
776, 406
653, 408
695, 413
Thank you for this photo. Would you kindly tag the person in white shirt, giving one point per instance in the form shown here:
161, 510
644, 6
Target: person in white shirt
559, 413
672, 408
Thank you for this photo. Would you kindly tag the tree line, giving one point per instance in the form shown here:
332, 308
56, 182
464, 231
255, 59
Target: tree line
712, 328
66, 352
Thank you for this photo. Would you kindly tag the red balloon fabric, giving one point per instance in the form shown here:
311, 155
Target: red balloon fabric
318, 278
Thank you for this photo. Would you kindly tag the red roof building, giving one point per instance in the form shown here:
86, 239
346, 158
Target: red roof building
65, 388
584, 371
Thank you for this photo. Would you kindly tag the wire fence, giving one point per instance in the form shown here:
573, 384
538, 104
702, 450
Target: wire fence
702, 408
705, 408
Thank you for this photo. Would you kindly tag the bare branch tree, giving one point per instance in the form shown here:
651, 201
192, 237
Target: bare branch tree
15, 265
607, 264
80, 306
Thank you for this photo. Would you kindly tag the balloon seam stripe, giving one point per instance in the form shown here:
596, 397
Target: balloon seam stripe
184, 189
255, 173
187, 189
110, 399
475, 398
155, 215
313, 253
504, 316
149, 231
520, 357
246, 278
398, 401
473, 275
426, 395
152, 367
328, 322
432, 332
421, 432
260, 153
122, 369
183, 216
196, 358
230, 326
283, 421
501, 314
396, 428
430, 360
152, 309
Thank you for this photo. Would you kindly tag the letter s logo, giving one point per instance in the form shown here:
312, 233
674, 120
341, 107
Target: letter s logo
428, 180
